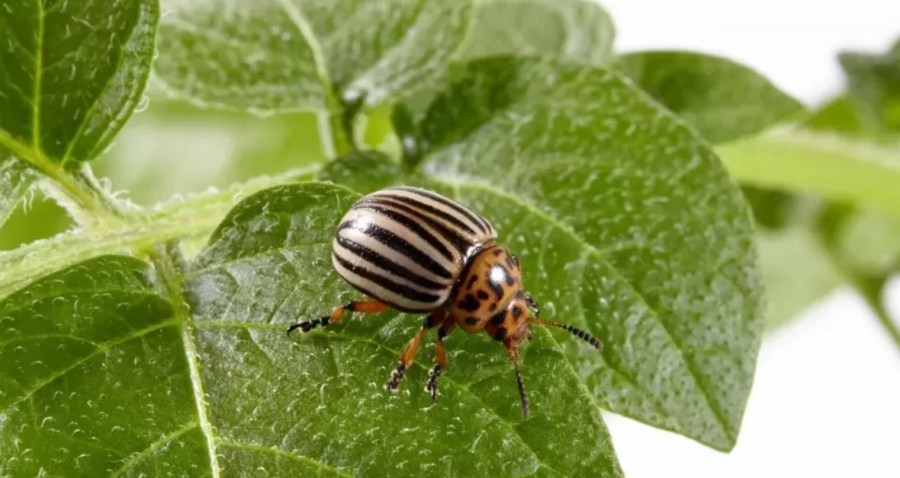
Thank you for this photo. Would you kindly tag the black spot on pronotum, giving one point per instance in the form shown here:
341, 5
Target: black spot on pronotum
516, 311
471, 320
497, 318
472, 280
469, 302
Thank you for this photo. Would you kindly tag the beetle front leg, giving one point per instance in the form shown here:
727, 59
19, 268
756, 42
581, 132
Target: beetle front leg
406, 358
366, 306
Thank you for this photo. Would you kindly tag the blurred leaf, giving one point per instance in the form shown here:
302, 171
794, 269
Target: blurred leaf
206, 149
577, 30
796, 271
73, 73
289, 55
870, 240
833, 167
874, 87
837, 115
772, 208
15, 181
722, 99
636, 234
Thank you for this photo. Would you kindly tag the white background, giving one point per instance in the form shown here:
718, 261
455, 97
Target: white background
826, 400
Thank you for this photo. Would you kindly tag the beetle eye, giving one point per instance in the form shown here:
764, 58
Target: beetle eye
517, 262
533, 306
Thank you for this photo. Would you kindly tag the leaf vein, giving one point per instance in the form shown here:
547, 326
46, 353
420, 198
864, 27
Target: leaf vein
103, 348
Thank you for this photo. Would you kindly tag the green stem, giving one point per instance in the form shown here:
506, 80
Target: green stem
88, 201
872, 291
336, 139
830, 223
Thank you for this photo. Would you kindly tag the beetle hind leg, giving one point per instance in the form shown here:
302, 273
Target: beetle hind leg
369, 306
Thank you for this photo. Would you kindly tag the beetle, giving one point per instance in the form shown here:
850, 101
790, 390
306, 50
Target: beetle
413, 250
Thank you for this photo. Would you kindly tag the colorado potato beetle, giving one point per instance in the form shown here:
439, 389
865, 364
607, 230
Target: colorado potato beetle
416, 251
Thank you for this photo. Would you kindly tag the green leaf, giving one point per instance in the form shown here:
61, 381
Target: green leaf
94, 378
268, 265
836, 168
72, 74
870, 242
284, 55
772, 208
577, 30
15, 181
106, 371
796, 271
626, 224
721, 99
874, 87
362, 171
838, 115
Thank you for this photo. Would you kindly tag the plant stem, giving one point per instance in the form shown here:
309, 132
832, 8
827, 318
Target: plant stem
871, 291
336, 139
829, 224
85, 201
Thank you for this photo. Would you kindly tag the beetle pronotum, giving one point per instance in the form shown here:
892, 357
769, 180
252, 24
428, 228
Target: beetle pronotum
414, 250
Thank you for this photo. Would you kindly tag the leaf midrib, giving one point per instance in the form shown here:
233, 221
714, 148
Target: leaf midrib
170, 275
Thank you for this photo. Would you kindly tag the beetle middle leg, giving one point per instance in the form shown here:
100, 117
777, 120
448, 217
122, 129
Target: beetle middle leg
433, 320
440, 357
368, 306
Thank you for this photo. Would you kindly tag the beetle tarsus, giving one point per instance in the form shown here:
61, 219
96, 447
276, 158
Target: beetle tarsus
308, 325
396, 376
432, 386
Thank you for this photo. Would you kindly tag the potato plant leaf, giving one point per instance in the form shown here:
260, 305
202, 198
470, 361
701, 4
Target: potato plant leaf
577, 30
279, 55
109, 370
94, 379
722, 99
72, 74
874, 87
268, 265
627, 225
835, 167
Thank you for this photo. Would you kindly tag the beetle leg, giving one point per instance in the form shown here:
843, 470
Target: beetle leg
512, 351
366, 306
406, 358
440, 357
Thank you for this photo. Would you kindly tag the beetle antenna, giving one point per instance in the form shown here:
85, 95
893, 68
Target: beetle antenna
513, 354
594, 341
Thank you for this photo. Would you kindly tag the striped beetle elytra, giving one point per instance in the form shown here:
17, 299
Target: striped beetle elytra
413, 250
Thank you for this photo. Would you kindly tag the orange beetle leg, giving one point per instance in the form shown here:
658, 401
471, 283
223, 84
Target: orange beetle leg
440, 357
367, 306
409, 354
